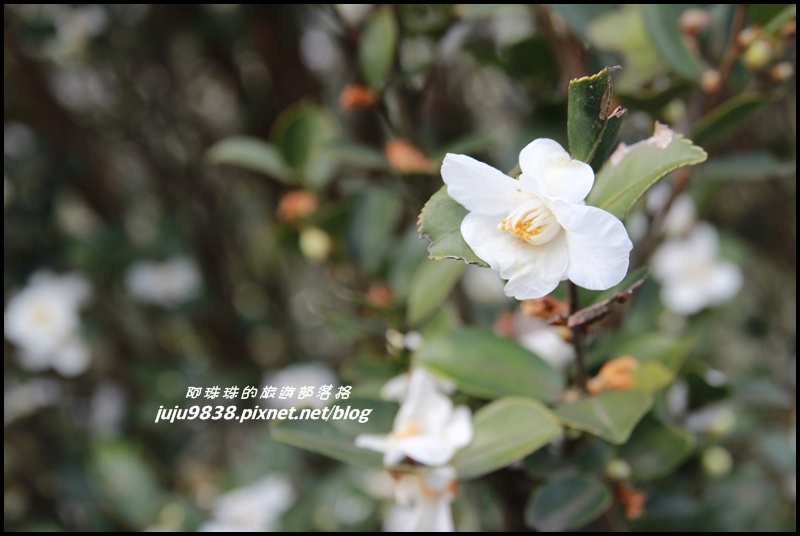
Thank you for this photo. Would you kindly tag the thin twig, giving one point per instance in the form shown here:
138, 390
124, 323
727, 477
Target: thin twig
729, 57
578, 333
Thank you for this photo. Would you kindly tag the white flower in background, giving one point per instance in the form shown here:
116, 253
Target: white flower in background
254, 508
297, 376
20, 400
423, 502
536, 231
691, 274
43, 321
544, 340
168, 284
484, 287
427, 429
682, 214
398, 387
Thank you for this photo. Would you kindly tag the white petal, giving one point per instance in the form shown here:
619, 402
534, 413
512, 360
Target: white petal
599, 247
482, 234
704, 240
458, 432
724, 282
562, 176
479, 187
684, 296
72, 359
534, 271
378, 443
428, 449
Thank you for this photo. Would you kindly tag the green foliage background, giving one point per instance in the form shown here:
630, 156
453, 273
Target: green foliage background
174, 129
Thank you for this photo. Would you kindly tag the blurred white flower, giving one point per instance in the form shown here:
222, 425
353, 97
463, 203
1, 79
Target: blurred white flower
691, 274
536, 231
297, 376
168, 284
254, 508
427, 429
682, 214
26, 398
423, 502
397, 388
43, 321
484, 287
544, 340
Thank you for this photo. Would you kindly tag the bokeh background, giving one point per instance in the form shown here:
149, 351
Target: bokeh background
215, 194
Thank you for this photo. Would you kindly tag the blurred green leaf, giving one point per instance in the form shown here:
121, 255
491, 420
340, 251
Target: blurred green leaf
126, 484
775, 24
336, 438
432, 284
486, 365
624, 31
505, 431
407, 258
655, 449
662, 22
611, 415
443, 321
668, 350
302, 134
579, 16
371, 234
633, 169
752, 166
725, 120
357, 155
592, 123
567, 504
440, 223
652, 376
253, 154
377, 46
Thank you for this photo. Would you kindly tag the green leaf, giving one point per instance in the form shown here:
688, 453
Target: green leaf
579, 16
432, 284
656, 449
505, 431
652, 376
592, 124
611, 415
303, 133
253, 154
377, 46
336, 438
371, 232
749, 166
725, 120
633, 169
665, 349
356, 155
662, 22
485, 365
405, 262
126, 484
567, 504
440, 223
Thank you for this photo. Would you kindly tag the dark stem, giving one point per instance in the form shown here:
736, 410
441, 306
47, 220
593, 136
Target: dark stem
578, 333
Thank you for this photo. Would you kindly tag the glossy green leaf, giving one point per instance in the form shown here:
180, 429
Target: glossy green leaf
624, 31
377, 47
486, 365
662, 22
567, 504
633, 169
303, 134
336, 438
611, 415
440, 223
370, 236
432, 284
726, 119
126, 484
505, 431
592, 122
655, 449
668, 350
253, 154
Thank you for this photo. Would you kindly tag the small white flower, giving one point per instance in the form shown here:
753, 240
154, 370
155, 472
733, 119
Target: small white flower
543, 340
536, 231
427, 429
254, 508
423, 502
691, 274
297, 376
167, 284
43, 321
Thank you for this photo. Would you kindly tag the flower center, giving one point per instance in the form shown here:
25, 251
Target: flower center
532, 222
411, 429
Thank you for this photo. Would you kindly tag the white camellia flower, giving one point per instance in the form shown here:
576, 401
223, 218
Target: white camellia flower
536, 231
168, 284
427, 429
423, 502
691, 274
43, 321
254, 508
